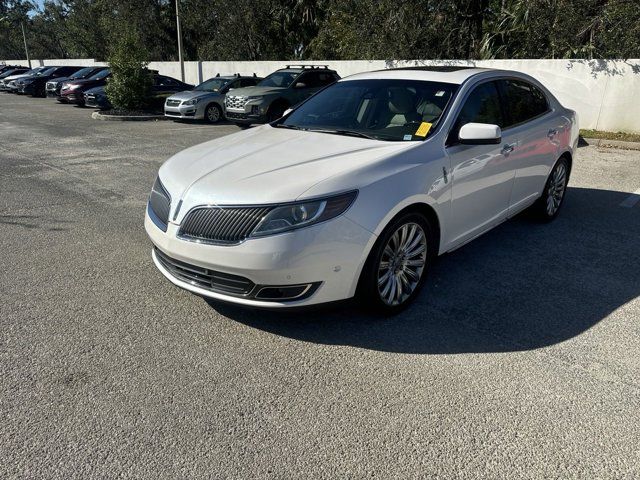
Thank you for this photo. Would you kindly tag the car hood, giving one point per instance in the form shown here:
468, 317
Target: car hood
254, 91
191, 94
269, 165
58, 79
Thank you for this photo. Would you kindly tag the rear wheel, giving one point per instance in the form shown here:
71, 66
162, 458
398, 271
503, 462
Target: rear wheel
212, 113
396, 268
548, 205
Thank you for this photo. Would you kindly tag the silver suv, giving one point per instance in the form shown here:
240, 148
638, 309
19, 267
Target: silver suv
284, 88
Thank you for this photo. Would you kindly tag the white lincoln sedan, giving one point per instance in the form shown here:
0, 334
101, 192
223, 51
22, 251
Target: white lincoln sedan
357, 190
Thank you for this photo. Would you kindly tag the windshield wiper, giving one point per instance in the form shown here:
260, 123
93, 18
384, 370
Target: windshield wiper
349, 133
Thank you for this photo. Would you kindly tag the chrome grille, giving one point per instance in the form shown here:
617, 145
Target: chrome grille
173, 103
223, 225
160, 202
232, 101
205, 278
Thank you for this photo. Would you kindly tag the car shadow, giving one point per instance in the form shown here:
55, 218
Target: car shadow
522, 286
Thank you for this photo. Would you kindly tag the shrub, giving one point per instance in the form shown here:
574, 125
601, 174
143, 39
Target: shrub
129, 86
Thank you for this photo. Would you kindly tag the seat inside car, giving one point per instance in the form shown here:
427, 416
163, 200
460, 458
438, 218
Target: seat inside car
402, 107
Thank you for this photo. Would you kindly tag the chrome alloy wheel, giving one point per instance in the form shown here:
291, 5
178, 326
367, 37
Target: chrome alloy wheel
556, 188
402, 264
213, 114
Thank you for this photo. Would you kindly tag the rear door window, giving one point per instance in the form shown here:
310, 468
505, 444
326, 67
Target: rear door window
523, 101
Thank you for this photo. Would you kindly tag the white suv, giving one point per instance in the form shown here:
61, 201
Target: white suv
358, 189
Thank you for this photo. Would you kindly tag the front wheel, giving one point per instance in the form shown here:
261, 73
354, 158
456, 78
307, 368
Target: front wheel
548, 205
212, 113
396, 268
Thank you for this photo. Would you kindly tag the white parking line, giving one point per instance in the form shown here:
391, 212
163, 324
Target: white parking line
631, 200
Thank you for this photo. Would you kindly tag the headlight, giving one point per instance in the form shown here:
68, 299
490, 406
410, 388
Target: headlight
71, 87
302, 214
251, 99
193, 101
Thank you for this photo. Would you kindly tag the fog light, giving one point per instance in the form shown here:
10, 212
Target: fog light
286, 292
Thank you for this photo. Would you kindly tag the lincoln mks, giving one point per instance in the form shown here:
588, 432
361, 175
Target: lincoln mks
355, 191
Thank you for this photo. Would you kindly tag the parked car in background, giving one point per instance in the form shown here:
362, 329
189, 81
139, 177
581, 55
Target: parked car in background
5, 82
5, 68
53, 86
73, 91
10, 72
357, 190
206, 101
161, 87
284, 88
96, 97
36, 84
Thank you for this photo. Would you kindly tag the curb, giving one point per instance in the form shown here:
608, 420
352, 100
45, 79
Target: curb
604, 143
126, 118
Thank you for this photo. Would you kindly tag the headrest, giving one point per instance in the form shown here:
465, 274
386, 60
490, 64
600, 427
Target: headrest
401, 100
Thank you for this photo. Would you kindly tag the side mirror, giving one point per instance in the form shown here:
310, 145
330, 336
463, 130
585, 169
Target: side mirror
301, 85
480, 134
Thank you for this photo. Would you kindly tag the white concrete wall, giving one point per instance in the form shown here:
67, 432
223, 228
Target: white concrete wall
605, 93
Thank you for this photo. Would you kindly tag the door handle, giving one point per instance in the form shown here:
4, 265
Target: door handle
508, 148
552, 133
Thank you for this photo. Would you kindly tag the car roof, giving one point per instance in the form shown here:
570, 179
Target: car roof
445, 74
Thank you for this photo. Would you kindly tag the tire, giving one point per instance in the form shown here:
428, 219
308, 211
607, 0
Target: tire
387, 293
213, 113
547, 207
276, 111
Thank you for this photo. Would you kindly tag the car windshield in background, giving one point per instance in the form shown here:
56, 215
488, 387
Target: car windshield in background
393, 110
278, 79
212, 85
82, 72
100, 75
46, 71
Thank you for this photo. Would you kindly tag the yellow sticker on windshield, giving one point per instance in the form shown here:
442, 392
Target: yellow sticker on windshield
423, 129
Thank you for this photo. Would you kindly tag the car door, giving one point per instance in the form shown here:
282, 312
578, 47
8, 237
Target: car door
481, 175
537, 127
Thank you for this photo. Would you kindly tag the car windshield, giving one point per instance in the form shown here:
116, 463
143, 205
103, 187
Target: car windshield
212, 85
100, 75
278, 79
383, 109
82, 72
46, 71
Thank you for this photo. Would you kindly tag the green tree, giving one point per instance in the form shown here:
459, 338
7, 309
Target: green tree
129, 86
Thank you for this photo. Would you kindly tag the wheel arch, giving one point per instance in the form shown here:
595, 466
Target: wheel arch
418, 207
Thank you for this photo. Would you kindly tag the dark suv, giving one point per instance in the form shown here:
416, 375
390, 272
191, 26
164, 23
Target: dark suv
54, 85
73, 91
284, 88
36, 84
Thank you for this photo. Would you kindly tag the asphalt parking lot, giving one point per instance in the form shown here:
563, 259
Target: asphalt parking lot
521, 358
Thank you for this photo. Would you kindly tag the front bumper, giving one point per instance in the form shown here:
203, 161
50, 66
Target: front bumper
251, 113
328, 256
28, 89
185, 112
74, 97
